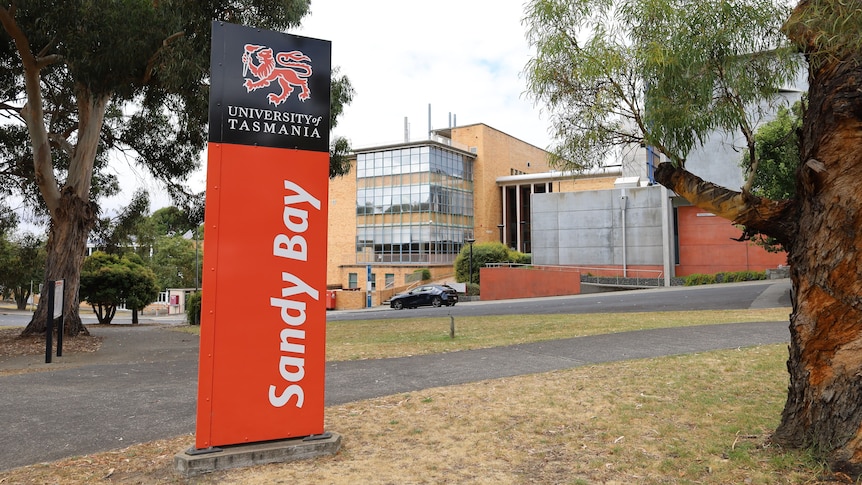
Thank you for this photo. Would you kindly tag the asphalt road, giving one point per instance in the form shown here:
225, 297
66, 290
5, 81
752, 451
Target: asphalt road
142, 385
710, 297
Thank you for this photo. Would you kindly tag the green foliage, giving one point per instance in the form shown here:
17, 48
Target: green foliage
729, 277
657, 72
22, 264
472, 289
172, 221
777, 156
425, 274
151, 59
699, 279
109, 280
8, 218
830, 27
485, 253
121, 233
193, 308
341, 95
339, 157
777, 153
174, 261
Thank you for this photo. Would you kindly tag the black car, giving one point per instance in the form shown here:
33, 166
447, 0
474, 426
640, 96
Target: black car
434, 295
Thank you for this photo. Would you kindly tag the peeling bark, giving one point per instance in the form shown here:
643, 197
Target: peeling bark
824, 403
822, 232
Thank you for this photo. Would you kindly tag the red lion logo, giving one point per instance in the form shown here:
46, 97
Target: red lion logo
290, 69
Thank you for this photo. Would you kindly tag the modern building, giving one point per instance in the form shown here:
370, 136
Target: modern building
413, 205
640, 229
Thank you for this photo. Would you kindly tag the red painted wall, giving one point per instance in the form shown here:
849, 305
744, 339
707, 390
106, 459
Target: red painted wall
528, 282
706, 246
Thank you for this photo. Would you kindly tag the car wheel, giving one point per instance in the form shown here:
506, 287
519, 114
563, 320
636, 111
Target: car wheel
397, 305
436, 301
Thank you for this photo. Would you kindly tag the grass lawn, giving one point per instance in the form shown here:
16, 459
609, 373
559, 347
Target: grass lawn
701, 418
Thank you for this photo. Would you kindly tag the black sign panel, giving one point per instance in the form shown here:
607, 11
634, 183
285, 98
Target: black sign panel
269, 88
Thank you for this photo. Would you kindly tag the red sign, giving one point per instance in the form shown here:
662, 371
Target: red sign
263, 318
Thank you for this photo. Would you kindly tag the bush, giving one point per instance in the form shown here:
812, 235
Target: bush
193, 308
730, 277
484, 253
110, 280
699, 279
472, 289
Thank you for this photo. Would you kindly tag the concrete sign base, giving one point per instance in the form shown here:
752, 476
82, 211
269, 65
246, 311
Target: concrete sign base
198, 462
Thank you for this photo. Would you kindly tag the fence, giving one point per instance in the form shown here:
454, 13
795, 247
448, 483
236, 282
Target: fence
610, 276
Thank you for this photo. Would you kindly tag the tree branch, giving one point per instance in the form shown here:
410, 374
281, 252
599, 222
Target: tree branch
772, 218
61, 142
151, 63
744, 126
33, 113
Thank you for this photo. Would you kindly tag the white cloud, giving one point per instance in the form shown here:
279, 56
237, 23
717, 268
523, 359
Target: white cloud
461, 57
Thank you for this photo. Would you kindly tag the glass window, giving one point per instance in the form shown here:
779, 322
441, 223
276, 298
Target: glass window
429, 182
352, 280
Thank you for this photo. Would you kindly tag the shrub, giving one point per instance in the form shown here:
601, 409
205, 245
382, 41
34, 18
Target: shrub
472, 289
699, 279
193, 308
484, 253
729, 277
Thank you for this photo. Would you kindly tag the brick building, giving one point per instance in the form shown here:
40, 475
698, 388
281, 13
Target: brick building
412, 206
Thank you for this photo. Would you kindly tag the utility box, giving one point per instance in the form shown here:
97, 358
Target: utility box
330, 299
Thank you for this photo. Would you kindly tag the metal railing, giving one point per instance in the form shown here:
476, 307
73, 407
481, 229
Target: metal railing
629, 277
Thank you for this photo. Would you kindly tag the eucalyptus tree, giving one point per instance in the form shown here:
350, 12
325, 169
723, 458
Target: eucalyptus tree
667, 73
80, 80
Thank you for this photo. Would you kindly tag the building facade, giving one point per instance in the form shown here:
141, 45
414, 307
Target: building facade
412, 206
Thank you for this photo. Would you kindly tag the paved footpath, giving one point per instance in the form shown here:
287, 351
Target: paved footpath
142, 384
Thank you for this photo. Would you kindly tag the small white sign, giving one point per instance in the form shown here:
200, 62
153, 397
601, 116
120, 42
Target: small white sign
58, 299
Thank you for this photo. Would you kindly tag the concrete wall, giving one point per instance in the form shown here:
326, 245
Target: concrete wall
586, 228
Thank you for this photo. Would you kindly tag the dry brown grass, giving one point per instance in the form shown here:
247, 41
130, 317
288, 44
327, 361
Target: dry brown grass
701, 418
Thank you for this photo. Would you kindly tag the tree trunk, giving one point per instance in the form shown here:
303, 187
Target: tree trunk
824, 402
769, 217
67, 242
104, 313
822, 232
21, 298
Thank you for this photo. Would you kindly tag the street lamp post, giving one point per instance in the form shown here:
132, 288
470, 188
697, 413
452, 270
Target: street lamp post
523, 237
470, 241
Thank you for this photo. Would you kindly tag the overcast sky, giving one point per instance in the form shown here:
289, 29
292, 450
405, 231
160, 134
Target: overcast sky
464, 57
